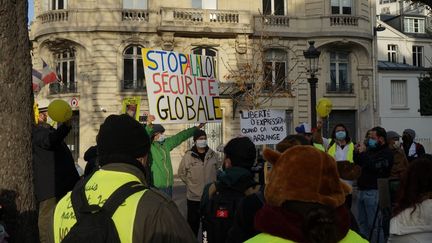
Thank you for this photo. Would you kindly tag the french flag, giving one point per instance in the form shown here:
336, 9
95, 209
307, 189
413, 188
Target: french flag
37, 80
48, 75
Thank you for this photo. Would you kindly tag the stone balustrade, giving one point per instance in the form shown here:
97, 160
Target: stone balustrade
54, 16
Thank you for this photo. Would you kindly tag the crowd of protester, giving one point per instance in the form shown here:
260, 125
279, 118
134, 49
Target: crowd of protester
316, 189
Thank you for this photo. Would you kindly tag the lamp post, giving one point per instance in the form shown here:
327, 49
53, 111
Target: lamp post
312, 56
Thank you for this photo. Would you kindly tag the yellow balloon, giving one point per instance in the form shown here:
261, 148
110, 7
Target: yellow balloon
59, 111
324, 107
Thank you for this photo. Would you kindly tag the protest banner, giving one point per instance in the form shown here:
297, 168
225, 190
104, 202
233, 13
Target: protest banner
181, 88
131, 106
263, 126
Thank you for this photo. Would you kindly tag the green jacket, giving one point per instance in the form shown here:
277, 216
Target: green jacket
161, 166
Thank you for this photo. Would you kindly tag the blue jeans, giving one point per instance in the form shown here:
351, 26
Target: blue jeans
167, 190
367, 208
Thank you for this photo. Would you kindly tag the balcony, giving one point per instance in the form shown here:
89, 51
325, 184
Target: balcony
271, 23
54, 16
301, 27
343, 20
205, 21
133, 85
135, 15
61, 88
77, 20
345, 88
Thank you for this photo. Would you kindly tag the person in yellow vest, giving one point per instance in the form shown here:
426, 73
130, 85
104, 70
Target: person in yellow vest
145, 216
341, 148
304, 200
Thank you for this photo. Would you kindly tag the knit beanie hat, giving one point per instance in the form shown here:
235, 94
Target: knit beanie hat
410, 132
198, 133
306, 174
158, 128
241, 151
121, 139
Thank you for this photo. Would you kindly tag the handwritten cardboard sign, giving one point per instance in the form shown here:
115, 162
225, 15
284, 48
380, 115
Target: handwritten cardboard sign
263, 126
181, 88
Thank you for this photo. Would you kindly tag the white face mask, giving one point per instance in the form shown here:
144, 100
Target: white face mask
161, 138
201, 143
397, 144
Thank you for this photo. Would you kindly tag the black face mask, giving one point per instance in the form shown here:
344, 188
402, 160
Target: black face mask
406, 139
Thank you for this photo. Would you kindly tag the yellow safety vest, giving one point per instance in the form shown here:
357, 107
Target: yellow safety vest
351, 237
319, 146
350, 155
98, 189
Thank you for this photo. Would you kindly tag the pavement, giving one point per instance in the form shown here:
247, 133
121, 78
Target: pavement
179, 196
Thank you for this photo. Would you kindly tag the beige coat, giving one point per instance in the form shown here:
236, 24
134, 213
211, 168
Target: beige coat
196, 174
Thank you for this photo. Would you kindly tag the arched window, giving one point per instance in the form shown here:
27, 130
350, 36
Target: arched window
275, 69
66, 72
133, 69
208, 51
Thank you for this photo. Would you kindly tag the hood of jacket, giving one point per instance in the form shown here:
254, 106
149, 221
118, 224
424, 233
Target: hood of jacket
236, 176
409, 221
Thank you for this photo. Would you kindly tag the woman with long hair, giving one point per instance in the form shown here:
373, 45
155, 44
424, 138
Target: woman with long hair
412, 215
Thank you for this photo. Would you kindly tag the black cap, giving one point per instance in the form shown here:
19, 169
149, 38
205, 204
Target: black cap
198, 133
121, 139
241, 151
158, 128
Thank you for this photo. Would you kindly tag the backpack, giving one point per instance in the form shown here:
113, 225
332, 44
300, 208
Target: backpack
219, 212
94, 223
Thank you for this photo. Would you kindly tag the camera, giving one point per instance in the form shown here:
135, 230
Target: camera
143, 118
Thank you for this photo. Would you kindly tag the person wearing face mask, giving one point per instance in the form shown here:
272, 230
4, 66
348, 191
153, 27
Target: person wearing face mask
376, 162
412, 149
197, 168
400, 162
161, 146
341, 148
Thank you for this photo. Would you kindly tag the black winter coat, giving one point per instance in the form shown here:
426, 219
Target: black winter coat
54, 171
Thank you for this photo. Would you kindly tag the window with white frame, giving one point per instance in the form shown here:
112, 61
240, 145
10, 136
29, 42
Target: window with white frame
392, 53
414, 25
133, 69
274, 7
134, 4
204, 4
275, 69
48, 5
65, 68
339, 73
207, 51
417, 56
399, 97
341, 6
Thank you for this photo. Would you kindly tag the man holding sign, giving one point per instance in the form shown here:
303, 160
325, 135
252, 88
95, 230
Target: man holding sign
181, 88
161, 167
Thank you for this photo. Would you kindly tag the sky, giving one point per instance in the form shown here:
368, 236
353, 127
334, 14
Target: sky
30, 11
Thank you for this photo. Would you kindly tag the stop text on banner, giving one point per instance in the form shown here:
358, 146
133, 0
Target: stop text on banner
181, 88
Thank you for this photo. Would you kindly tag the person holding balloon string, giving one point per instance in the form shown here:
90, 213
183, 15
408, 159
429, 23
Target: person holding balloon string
54, 169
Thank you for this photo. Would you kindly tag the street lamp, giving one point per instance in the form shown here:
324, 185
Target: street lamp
312, 56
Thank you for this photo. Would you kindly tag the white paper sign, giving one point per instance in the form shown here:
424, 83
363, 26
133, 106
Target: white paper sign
263, 126
181, 88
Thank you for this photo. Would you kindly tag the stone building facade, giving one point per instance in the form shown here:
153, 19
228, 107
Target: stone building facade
95, 45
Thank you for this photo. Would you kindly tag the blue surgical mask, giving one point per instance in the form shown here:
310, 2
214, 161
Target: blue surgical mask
372, 143
341, 135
